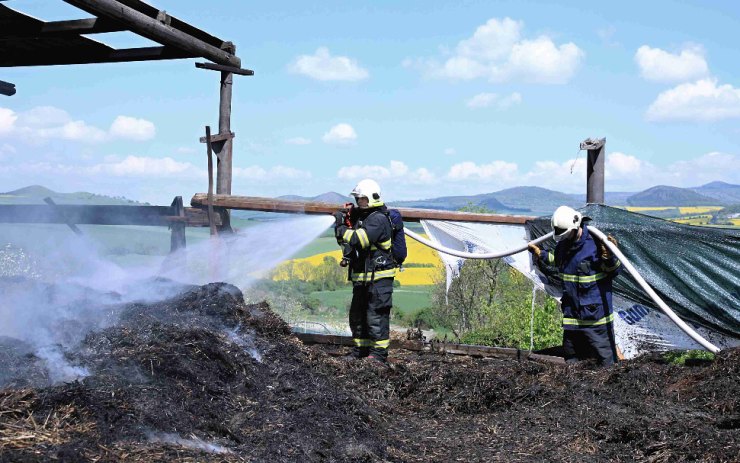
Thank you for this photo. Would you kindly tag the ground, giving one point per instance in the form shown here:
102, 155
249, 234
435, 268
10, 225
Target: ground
205, 377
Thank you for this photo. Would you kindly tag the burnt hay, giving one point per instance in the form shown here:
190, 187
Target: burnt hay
205, 377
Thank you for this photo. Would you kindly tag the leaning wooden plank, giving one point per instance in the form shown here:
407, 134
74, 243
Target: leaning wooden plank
62, 217
254, 203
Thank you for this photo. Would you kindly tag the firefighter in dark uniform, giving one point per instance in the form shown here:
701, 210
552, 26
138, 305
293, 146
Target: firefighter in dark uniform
366, 244
586, 269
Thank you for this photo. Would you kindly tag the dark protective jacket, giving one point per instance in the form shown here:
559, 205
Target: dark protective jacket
368, 245
587, 280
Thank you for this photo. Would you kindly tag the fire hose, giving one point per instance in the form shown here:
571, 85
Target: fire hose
627, 264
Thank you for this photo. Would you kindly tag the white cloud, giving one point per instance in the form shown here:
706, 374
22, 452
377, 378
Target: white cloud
395, 171
298, 141
132, 128
7, 120
481, 100
44, 117
485, 100
140, 166
44, 123
323, 66
498, 52
662, 66
623, 164
273, 173
496, 170
450, 151
703, 100
340, 134
185, 150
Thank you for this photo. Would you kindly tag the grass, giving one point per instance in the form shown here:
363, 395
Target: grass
406, 299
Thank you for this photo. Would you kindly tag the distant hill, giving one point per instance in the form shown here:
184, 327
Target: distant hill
453, 203
330, 197
611, 198
726, 193
35, 194
526, 200
663, 195
534, 198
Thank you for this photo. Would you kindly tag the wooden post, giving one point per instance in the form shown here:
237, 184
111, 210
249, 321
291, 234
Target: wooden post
223, 149
211, 214
594, 169
177, 237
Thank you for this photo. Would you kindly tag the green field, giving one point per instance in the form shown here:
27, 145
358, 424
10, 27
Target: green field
407, 299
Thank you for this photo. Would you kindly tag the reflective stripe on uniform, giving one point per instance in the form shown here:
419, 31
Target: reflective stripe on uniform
382, 344
602, 321
362, 236
550, 257
385, 245
583, 278
347, 235
360, 342
366, 277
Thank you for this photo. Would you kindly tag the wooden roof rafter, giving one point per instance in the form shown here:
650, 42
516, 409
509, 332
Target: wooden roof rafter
27, 41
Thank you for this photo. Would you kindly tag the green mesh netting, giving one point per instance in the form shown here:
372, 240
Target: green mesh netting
695, 270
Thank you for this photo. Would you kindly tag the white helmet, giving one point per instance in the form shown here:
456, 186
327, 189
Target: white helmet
370, 190
565, 220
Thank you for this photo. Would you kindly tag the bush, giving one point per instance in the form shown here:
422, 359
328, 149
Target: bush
511, 327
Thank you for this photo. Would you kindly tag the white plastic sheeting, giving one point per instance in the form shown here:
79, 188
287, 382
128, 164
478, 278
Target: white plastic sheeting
638, 329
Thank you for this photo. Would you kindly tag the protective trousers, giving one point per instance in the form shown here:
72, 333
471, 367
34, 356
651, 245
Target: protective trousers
369, 318
591, 342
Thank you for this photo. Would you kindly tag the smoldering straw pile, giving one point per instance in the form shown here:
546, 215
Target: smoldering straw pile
203, 376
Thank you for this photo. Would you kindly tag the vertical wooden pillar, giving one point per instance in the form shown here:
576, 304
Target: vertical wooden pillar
223, 149
595, 169
177, 236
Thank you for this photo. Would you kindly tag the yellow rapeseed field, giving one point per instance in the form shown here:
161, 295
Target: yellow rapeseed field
698, 209
648, 208
418, 254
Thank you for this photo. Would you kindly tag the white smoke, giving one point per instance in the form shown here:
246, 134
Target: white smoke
55, 291
192, 443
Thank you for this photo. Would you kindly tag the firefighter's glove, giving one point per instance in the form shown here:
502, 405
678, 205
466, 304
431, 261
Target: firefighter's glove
605, 252
535, 250
339, 218
339, 233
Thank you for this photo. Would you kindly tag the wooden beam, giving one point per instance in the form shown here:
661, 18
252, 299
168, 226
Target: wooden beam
84, 55
196, 217
219, 67
61, 28
219, 137
90, 215
6, 88
253, 203
437, 347
153, 29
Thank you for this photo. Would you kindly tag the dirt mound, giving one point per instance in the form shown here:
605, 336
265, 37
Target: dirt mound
204, 377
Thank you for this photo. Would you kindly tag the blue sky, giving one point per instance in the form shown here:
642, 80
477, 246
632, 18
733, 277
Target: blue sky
430, 98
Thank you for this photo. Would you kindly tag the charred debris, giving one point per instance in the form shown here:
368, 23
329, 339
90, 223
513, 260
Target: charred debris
203, 376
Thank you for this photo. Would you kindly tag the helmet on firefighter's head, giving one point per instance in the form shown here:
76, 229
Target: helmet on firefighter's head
565, 220
368, 189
